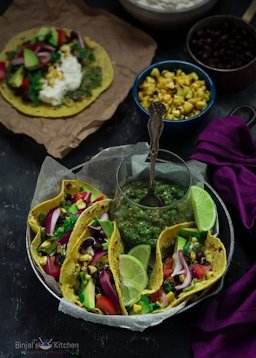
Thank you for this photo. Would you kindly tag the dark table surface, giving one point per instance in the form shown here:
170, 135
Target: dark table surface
27, 310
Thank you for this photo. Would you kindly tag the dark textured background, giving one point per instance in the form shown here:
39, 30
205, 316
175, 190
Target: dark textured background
27, 310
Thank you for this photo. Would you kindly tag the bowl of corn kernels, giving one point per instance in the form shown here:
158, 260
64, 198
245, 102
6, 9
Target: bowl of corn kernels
185, 89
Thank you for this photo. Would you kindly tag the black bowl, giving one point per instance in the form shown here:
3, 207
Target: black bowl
235, 74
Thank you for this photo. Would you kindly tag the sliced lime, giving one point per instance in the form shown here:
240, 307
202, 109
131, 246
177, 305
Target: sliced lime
134, 278
141, 252
204, 208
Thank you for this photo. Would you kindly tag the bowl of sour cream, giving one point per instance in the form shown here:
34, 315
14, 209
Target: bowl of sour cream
167, 13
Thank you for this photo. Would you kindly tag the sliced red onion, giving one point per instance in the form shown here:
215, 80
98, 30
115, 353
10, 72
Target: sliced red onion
97, 256
48, 47
177, 265
163, 299
51, 220
104, 217
47, 267
64, 239
98, 228
80, 39
108, 288
87, 198
17, 61
188, 274
44, 57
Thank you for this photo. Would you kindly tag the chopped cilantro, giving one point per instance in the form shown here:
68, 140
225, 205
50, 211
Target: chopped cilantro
34, 86
92, 78
11, 54
55, 56
168, 287
68, 223
82, 53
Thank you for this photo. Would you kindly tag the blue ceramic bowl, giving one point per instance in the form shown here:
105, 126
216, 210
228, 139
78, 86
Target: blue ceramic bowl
175, 126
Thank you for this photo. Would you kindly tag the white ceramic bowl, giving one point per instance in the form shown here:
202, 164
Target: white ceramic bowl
158, 18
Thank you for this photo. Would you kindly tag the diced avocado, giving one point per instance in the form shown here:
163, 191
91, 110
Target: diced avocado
87, 189
179, 243
42, 33
87, 296
188, 231
47, 246
16, 78
73, 209
193, 232
107, 227
105, 245
31, 60
53, 38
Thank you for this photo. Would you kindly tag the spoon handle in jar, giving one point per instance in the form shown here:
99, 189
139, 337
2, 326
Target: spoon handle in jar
250, 12
155, 128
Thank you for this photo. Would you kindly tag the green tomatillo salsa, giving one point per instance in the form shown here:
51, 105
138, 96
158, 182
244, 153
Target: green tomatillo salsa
142, 225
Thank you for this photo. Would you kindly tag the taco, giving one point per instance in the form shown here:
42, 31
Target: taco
188, 262
89, 276
53, 72
52, 223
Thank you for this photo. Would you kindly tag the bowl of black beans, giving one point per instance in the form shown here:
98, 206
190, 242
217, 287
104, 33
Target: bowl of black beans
225, 46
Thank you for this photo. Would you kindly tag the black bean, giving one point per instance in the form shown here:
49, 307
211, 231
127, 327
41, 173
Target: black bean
97, 247
86, 243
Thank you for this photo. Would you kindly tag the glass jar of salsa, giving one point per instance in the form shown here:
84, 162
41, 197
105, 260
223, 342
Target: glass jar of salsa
140, 224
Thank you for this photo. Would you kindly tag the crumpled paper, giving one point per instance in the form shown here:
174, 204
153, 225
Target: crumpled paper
106, 161
130, 50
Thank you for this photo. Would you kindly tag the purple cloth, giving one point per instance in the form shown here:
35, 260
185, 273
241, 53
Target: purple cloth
227, 146
228, 327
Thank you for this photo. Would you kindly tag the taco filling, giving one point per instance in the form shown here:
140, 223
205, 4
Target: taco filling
94, 284
57, 226
53, 67
190, 261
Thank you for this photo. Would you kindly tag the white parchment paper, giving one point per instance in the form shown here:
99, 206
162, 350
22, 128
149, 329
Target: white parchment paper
100, 171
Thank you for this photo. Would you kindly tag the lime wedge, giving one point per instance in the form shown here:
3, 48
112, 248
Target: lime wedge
134, 278
142, 253
204, 208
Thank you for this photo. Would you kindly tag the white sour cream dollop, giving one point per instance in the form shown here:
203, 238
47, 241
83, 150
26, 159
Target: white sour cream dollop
70, 81
168, 4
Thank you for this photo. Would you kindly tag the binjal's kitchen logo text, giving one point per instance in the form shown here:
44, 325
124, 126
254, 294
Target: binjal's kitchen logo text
47, 345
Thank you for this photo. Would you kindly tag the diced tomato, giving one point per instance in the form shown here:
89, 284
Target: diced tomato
62, 38
20, 54
2, 70
155, 296
167, 267
199, 271
34, 47
25, 83
78, 196
106, 305
167, 272
98, 199
51, 268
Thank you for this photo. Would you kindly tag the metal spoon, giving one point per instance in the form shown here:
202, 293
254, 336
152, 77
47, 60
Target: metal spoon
155, 128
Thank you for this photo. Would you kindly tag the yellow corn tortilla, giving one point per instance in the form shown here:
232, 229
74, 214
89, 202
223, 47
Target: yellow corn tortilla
45, 110
69, 273
67, 187
212, 243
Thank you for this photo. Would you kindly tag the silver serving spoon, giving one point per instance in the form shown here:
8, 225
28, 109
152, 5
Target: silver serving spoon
155, 128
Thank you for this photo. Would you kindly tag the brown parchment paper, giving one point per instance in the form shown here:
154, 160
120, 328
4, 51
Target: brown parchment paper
130, 50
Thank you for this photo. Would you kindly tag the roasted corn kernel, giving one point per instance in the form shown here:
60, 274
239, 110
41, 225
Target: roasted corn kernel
184, 95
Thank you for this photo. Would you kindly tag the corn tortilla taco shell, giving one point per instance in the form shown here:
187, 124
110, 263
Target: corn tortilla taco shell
45, 110
213, 244
67, 187
70, 270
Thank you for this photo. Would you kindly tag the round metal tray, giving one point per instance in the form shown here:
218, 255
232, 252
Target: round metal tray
226, 234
